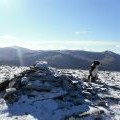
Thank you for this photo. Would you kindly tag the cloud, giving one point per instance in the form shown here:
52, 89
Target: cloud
117, 46
8, 40
84, 32
88, 45
8, 37
91, 45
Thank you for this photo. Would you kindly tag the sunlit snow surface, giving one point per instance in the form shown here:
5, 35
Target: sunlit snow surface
30, 108
109, 78
7, 72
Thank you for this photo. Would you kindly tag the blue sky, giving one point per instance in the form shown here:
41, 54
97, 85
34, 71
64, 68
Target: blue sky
61, 24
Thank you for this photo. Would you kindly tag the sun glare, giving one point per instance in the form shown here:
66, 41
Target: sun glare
6, 3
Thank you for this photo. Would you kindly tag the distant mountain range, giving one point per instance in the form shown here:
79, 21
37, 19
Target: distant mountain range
74, 59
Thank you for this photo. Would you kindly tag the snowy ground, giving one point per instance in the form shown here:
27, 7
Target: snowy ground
7, 72
29, 108
112, 79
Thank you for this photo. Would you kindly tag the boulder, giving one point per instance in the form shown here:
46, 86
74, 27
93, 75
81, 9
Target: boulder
67, 85
10, 90
28, 72
102, 103
95, 112
24, 81
43, 65
87, 95
15, 83
3, 85
37, 88
90, 90
10, 94
103, 89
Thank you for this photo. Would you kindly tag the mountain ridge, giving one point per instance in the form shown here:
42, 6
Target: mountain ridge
69, 59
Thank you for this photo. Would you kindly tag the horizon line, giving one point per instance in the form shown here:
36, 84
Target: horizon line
16, 46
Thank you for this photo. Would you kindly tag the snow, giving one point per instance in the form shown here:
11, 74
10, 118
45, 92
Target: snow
7, 72
42, 65
40, 106
112, 79
10, 90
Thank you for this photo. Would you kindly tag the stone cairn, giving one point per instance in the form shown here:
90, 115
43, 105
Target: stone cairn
73, 94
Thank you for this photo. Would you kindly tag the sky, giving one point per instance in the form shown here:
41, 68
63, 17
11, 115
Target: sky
92, 25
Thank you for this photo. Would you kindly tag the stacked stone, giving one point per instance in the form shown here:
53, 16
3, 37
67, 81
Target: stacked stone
71, 94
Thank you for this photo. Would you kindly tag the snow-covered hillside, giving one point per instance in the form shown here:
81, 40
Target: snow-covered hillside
61, 94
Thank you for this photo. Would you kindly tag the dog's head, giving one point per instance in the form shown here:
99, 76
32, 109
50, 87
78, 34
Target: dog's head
96, 63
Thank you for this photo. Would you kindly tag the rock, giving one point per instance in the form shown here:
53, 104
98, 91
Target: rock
89, 90
15, 83
75, 82
112, 113
67, 85
47, 78
103, 90
59, 95
56, 83
110, 97
62, 114
77, 101
37, 88
7, 97
10, 94
87, 95
116, 87
97, 118
24, 81
85, 80
85, 85
28, 72
37, 75
92, 112
10, 90
79, 86
102, 103
88, 102
43, 65
3, 85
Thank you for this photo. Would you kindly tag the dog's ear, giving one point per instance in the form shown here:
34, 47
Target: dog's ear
96, 62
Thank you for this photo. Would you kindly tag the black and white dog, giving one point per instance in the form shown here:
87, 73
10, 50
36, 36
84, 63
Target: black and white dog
93, 71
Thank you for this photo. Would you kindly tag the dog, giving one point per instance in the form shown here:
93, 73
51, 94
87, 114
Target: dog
92, 77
